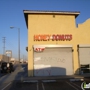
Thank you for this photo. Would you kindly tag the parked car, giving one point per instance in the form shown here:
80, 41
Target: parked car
11, 67
7, 67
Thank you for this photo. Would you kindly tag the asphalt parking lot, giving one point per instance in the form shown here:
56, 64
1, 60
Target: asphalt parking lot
45, 85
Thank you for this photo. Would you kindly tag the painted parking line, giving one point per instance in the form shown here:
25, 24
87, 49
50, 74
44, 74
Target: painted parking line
48, 80
75, 84
37, 87
77, 79
31, 81
43, 86
6, 86
72, 86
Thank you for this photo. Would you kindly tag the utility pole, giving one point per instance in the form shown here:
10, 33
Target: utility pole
4, 38
23, 58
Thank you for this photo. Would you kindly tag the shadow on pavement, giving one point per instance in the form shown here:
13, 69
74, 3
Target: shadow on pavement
18, 84
30, 83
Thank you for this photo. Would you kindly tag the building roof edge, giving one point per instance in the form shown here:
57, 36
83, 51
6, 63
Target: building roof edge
51, 12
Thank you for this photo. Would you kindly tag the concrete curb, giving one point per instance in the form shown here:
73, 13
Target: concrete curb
54, 78
48, 80
69, 78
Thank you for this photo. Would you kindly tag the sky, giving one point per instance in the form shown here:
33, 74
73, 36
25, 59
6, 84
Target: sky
11, 14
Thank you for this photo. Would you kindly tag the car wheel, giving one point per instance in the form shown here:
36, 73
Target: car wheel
10, 71
13, 70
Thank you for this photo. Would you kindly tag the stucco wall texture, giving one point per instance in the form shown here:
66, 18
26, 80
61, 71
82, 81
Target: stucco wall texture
40, 24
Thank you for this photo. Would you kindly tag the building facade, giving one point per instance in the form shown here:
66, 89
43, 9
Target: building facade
4, 58
56, 45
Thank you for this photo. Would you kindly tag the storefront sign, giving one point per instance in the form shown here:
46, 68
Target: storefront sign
53, 37
39, 49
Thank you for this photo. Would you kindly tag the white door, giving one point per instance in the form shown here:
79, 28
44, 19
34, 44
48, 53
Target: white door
53, 61
84, 55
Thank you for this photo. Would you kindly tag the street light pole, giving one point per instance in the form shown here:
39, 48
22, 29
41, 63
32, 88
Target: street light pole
18, 42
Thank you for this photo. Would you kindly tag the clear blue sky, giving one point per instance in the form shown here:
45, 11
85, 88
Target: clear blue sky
11, 14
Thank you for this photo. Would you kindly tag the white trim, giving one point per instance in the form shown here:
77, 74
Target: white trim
43, 46
83, 45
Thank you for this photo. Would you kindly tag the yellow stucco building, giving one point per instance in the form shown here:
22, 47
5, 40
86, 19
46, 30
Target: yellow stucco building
56, 45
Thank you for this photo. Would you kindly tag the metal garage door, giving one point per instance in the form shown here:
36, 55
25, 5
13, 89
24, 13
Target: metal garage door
84, 54
53, 61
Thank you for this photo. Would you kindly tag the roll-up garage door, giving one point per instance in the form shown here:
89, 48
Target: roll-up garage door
84, 54
53, 61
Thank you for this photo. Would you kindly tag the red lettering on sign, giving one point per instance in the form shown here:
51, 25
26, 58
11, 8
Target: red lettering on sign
53, 38
70, 37
39, 49
36, 37
58, 37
